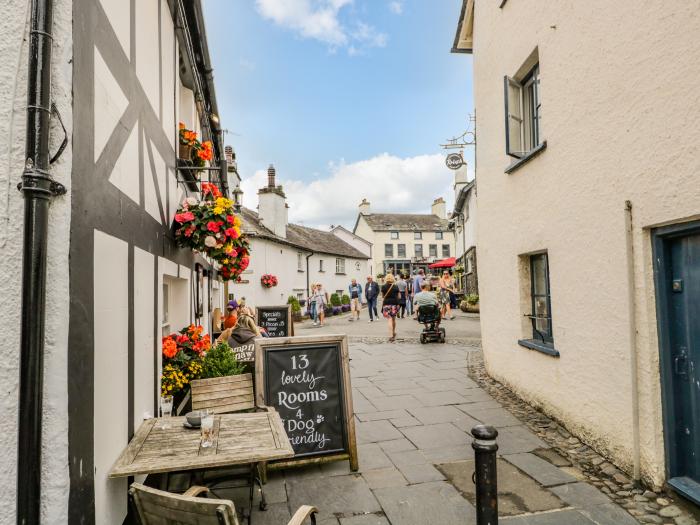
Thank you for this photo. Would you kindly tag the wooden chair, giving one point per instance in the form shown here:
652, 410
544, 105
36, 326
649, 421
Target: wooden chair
222, 395
225, 395
157, 507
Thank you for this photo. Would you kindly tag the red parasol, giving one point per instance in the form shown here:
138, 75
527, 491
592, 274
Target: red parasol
445, 263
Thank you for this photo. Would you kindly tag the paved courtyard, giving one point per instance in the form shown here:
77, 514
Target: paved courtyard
415, 406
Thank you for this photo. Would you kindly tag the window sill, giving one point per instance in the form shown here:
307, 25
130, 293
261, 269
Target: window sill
300, 271
340, 273
322, 271
539, 347
524, 160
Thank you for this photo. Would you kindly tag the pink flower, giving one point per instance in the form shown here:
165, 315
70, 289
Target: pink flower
230, 232
213, 226
190, 230
230, 219
184, 217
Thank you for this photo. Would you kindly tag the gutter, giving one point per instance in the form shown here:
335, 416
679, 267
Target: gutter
634, 358
38, 189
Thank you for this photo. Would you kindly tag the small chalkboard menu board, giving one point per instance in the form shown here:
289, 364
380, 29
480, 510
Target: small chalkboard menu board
307, 380
276, 320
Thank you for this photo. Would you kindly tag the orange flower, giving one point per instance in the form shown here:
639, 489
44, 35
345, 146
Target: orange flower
169, 347
181, 125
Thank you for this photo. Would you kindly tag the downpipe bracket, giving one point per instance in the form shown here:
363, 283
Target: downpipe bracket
38, 181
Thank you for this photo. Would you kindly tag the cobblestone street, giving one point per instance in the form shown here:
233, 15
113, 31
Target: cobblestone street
415, 405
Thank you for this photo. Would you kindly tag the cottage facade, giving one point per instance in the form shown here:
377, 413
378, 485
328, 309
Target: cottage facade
589, 230
116, 280
406, 242
297, 255
463, 221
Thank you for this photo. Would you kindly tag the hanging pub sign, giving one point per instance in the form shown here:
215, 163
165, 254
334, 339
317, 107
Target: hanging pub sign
307, 380
454, 161
276, 320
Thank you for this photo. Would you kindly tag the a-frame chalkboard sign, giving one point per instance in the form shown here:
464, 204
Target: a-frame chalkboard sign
276, 320
307, 380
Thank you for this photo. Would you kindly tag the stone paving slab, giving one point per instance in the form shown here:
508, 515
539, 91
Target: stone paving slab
373, 431
333, 496
580, 494
434, 436
439, 414
609, 514
562, 517
384, 478
542, 471
367, 519
426, 503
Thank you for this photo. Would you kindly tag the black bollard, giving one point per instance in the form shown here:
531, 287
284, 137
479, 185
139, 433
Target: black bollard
485, 448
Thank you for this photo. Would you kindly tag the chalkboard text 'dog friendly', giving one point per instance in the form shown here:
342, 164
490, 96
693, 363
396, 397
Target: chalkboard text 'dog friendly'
307, 380
303, 427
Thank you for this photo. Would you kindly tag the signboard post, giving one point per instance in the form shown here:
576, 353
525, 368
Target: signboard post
276, 320
307, 380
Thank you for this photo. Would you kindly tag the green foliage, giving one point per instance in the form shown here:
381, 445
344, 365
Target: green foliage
335, 299
472, 298
345, 299
220, 362
296, 307
380, 276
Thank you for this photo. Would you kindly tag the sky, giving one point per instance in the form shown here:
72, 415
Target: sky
349, 99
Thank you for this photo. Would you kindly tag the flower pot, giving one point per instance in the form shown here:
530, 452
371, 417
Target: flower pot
185, 152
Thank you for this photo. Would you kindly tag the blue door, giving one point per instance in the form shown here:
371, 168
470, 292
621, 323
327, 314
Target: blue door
677, 257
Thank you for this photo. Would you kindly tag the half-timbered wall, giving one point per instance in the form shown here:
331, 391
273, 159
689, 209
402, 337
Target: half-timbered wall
130, 283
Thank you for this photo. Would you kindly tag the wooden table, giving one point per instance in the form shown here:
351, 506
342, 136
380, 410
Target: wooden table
238, 439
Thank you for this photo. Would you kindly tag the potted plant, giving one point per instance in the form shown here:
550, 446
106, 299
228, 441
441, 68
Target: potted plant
210, 226
336, 310
191, 149
335, 299
345, 299
183, 354
268, 280
296, 308
220, 361
470, 304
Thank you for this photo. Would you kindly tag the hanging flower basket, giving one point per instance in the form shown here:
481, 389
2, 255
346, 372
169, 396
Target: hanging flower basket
192, 150
268, 280
211, 227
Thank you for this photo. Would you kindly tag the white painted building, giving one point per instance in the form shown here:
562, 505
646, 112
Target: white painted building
116, 279
405, 241
463, 222
297, 255
589, 220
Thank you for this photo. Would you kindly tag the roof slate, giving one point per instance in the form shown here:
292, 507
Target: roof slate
405, 222
309, 239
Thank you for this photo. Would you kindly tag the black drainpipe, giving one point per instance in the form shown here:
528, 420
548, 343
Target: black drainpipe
38, 189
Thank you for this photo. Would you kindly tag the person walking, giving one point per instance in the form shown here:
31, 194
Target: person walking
355, 291
409, 295
311, 302
321, 301
371, 294
418, 284
390, 304
446, 286
401, 285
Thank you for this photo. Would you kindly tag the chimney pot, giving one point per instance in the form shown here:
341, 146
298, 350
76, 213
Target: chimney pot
271, 176
228, 153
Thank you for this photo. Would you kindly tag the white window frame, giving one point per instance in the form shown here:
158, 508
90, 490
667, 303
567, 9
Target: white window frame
394, 235
417, 236
439, 236
300, 261
523, 113
339, 266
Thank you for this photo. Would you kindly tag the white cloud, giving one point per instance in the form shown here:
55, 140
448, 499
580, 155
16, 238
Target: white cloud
320, 20
390, 183
396, 7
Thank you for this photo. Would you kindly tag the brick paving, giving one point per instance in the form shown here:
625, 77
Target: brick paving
415, 405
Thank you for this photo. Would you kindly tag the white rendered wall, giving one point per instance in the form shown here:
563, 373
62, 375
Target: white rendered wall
618, 95
281, 261
13, 101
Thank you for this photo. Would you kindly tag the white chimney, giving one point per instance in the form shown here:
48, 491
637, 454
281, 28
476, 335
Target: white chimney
439, 208
364, 207
272, 205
